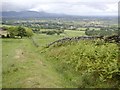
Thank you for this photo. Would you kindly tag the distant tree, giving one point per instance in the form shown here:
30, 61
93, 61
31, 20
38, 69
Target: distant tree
87, 32
3, 36
21, 31
58, 33
12, 31
50, 32
29, 32
87, 29
8, 36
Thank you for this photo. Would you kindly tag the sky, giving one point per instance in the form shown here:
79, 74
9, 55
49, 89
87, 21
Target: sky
70, 7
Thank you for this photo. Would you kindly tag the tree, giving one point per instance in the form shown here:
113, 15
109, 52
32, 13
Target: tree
12, 31
50, 32
58, 33
21, 31
29, 32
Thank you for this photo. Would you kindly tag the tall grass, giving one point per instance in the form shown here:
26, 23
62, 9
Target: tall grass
87, 63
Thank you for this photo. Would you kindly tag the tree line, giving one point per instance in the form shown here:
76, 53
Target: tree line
102, 32
18, 31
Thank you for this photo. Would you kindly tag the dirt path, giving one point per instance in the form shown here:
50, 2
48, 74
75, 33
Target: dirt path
19, 54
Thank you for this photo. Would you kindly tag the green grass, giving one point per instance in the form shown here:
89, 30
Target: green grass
73, 33
43, 39
1, 25
82, 29
25, 67
69, 32
0, 63
94, 28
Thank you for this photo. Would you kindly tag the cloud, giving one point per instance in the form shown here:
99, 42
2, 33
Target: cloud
73, 7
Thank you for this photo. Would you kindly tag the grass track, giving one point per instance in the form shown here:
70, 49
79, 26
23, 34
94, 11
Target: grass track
25, 67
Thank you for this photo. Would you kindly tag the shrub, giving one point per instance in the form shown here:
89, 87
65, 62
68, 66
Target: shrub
96, 62
3, 36
50, 32
19, 31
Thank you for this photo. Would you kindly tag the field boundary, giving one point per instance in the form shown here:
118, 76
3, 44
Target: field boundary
68, 39
34, 43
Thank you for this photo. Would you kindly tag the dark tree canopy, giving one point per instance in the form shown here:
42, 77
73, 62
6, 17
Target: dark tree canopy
19, 31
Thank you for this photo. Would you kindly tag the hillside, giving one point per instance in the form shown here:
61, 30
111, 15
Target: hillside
87, 63
29, 14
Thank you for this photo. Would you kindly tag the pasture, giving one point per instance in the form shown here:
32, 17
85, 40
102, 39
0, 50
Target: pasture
26, 66
43, 39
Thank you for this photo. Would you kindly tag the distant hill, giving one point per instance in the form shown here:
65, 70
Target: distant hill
35, 14
29, 14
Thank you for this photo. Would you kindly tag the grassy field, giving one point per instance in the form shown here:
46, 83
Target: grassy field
1, 63
43, 39
69, 33
72, 33
26, 66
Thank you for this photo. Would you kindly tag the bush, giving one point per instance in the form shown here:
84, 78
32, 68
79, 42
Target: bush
50, 32
19, 31
3, 36
29, 32
102, 32
96, 63
8, 36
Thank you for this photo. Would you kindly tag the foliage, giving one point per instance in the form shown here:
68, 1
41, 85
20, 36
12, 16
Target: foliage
36, 30
51, 32
95, 62
29, 32
101, 32
19, 31
12, 31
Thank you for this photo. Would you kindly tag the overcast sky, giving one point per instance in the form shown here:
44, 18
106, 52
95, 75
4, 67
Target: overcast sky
72, 7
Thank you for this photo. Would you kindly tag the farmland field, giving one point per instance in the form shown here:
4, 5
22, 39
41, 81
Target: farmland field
23, 61
43, 50
25, 65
